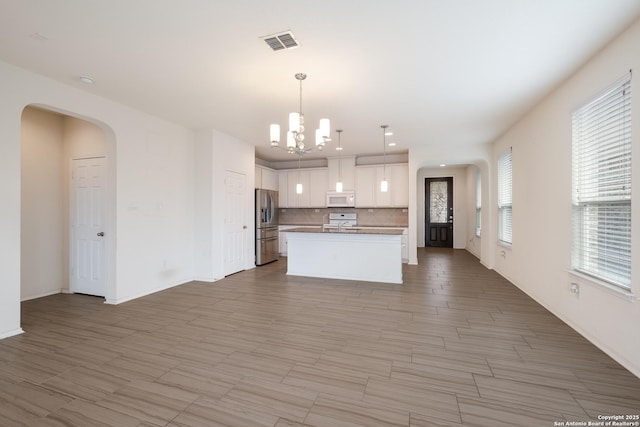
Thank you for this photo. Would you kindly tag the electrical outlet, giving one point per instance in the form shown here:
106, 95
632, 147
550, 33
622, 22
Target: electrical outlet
575, 288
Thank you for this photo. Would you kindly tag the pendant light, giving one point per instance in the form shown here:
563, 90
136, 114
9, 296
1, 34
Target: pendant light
299, 184
384, 184
339, 148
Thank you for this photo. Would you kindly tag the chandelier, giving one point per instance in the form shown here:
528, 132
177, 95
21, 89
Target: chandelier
295, 134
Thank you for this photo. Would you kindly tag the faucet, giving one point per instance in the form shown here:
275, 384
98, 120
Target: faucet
340, 224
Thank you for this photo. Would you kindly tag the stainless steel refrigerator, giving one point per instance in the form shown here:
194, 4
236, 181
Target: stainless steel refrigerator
266, 226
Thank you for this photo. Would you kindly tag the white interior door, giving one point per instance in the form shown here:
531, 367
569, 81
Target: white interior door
88, 208
235, 227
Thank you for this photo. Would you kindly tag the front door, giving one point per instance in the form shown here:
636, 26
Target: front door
88, 208
439, 212
235, 226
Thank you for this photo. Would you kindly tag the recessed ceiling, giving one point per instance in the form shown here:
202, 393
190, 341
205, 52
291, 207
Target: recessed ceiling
438, 72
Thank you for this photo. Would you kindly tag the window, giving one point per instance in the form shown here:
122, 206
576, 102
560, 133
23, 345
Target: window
505, 208
478, 204
601, 134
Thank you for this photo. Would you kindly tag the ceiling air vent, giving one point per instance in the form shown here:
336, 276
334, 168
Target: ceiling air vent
285, 40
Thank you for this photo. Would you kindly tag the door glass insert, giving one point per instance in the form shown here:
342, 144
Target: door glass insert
438, 201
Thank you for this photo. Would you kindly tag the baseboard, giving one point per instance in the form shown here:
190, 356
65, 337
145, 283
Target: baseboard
44, 294
204, 279
11, 333
627, 364
117, 301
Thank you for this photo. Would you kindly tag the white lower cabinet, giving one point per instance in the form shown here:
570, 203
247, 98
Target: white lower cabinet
282, 239
405, 246
405, 241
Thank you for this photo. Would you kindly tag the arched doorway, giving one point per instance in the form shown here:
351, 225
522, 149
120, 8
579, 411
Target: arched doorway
52, 143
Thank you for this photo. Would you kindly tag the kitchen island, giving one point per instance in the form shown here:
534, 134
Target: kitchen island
373, 255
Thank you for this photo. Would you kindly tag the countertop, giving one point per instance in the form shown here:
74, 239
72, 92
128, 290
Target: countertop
315, 224
347, 230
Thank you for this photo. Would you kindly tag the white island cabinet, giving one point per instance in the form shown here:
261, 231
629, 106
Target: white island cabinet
372, 255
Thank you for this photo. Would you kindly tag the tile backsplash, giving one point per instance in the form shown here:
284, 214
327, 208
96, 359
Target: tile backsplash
382, 217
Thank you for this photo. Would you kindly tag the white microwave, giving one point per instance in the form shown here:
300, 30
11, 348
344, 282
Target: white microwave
344, 199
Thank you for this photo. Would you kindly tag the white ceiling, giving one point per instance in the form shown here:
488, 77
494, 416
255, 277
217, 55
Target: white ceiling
451, 72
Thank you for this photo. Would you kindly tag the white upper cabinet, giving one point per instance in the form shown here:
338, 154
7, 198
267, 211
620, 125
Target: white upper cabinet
258, 177
294, 178
314, 188
398, 176
365, 180
318, 187
367, 184
344, 167
269, 179
266, 178
283, 189
383, 199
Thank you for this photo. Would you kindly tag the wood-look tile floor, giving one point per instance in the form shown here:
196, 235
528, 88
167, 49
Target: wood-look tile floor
455, 345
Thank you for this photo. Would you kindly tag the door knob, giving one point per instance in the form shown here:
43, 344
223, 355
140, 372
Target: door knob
100, 234
244, 227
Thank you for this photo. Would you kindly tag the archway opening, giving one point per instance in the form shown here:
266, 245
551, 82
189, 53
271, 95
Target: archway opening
51, 141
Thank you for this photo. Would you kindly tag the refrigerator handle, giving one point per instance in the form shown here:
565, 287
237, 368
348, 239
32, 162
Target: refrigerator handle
269, 208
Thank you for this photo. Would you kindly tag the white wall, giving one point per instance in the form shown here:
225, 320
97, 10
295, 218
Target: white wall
42, 250
203, 212
155, 209
10, 114
217, 153
473, 243
540, 258
150, 195
231, 154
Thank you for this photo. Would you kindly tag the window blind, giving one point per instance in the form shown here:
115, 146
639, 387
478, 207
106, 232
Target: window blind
505, 201
601, 150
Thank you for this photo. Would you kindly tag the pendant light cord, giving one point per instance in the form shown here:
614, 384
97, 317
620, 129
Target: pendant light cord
300, 98
339, 151
384, 150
